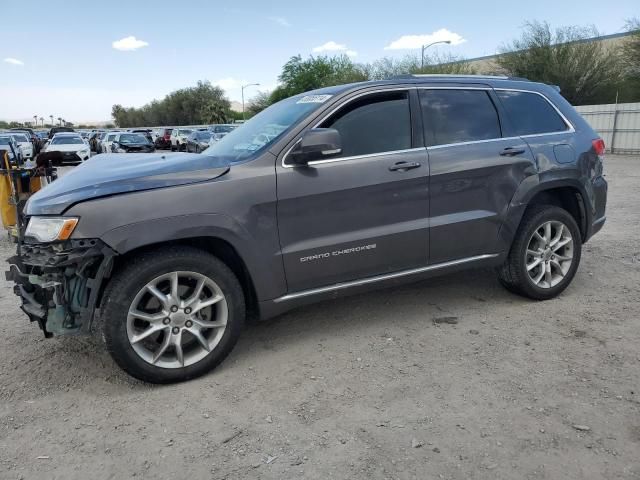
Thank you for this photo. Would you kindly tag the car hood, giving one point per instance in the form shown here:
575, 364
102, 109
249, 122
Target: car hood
117, 173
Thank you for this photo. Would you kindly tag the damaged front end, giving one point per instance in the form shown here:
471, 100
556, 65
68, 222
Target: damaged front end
60, 283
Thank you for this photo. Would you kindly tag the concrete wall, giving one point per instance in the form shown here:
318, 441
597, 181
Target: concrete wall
618, 125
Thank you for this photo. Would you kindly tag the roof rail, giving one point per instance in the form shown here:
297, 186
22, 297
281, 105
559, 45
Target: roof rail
453, 75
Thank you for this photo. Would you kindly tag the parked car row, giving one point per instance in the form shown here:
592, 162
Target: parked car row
75, 146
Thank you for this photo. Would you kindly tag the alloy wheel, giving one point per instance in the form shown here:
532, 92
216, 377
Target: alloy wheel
177, 319
549, 254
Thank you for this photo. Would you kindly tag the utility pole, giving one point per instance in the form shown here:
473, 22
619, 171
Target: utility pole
424, 47
243, 87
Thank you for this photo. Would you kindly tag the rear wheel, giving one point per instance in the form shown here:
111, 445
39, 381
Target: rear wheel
172, 314
545, 253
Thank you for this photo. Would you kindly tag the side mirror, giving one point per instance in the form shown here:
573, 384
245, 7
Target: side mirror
316, 144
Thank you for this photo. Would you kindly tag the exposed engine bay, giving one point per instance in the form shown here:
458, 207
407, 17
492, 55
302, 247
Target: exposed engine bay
60, 283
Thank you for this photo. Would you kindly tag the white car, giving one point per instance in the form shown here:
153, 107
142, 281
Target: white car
12, 147
107, 141
25, 145
179, 138
71, 147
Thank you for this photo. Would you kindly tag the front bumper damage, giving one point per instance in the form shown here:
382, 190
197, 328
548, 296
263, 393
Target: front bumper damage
60, 283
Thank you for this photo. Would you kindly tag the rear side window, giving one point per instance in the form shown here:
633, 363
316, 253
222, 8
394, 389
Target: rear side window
375, 123
530, 113
455, 116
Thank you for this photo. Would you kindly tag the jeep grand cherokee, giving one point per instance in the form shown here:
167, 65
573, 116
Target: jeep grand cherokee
333, 191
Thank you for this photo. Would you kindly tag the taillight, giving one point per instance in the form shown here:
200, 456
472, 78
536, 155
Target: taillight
598, 146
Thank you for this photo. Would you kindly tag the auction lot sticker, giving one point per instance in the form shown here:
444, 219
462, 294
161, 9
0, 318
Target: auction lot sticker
314, 99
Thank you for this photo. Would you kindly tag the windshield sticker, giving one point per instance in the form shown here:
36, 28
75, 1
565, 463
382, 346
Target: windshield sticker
314, 99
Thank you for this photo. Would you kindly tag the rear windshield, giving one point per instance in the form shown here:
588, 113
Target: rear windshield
67, 141
20, 137
5, 140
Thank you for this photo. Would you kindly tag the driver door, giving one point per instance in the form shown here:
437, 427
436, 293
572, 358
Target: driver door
357, 215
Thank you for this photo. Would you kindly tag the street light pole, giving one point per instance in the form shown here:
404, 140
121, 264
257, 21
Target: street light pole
424, 47
243, 87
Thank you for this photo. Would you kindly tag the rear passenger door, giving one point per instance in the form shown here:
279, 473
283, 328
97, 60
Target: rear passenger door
475, 171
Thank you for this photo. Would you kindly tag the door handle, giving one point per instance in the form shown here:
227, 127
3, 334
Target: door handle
403, 166
511, 151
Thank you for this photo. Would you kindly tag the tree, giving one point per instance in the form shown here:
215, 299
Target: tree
201, 104
585, 70
388, 67
631, 48
258, 103
300, 75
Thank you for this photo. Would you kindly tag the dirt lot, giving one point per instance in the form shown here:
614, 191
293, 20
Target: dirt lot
365, 387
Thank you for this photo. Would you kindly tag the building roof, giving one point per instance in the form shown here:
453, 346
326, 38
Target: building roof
584, 40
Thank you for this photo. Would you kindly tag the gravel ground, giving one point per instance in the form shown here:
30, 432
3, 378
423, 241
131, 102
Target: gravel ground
372, 386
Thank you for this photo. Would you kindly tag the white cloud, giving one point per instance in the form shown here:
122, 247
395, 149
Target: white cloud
129, 43
332, 46
280, 21
410, 42
14, 61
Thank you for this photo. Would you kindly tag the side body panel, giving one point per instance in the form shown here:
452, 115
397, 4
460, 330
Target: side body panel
246, 196
471, 188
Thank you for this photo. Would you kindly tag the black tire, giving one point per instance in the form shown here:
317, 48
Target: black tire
513, 273
124, 286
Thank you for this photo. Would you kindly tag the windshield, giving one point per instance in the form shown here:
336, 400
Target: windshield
184, 132
132, 138
20, 138
261, 130
203, 135
67, 141
223, 128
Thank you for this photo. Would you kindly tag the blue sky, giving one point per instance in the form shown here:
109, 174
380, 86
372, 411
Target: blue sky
58, 58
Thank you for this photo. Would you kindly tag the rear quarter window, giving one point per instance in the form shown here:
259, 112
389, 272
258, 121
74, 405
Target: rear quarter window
530, 113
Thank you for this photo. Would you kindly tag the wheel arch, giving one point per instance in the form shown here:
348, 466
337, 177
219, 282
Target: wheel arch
216, 246
568, 193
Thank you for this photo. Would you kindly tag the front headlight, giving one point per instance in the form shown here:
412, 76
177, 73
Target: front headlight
51, 229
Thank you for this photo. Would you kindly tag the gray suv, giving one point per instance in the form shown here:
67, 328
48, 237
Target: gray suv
330, 192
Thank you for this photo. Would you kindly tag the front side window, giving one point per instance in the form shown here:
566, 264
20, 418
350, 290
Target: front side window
110, 138
455, 116
376, 123
530, 113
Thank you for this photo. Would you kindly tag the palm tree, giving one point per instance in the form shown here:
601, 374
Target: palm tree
42, 121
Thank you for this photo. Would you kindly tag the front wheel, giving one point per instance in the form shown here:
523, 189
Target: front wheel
172, 314
545, 253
